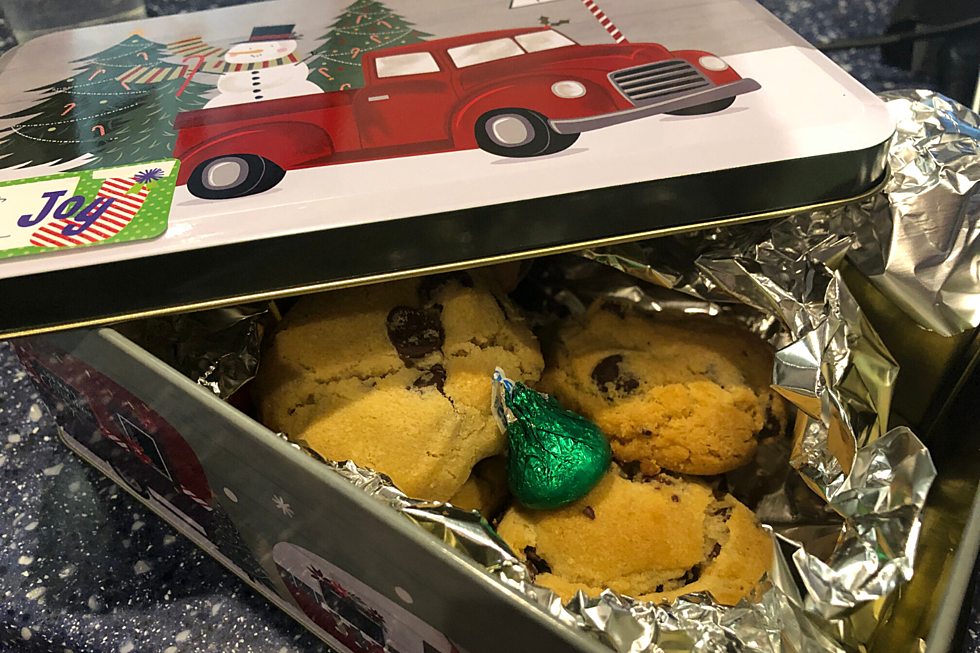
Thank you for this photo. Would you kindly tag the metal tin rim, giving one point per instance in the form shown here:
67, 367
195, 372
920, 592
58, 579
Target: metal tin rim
434, 269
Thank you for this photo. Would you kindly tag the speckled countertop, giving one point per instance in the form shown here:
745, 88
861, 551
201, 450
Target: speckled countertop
87, 569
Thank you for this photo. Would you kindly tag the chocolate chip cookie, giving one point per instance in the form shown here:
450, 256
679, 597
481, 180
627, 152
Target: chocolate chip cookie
689, 396
486, 489
653, 539
397, 376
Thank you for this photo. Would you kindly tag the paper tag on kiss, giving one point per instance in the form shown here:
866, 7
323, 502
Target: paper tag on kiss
86, 208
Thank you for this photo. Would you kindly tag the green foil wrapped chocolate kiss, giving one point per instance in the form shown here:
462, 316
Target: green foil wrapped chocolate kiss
555, 456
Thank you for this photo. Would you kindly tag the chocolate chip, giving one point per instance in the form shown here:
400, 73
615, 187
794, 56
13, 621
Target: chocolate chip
588, 512
658, 588
675, 498
631, 468
715, 550
434, 376
691, 575
725, 513
607, 372
415, 333
503, 309
535, 562
772, 428
646, 432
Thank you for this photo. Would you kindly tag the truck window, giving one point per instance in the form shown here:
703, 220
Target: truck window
545, 40
470, 55
413, 63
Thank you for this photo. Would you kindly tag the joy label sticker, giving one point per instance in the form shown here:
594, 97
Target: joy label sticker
90, 207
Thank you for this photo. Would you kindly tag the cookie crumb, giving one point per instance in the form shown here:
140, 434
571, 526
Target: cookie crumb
589, 512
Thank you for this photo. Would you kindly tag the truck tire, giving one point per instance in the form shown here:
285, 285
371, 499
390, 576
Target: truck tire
233, 175
519, 133
707, 107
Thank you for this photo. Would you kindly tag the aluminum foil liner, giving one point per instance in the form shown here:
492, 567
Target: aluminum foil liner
918, 241
921, 244
851, 544
218, 348
884, 493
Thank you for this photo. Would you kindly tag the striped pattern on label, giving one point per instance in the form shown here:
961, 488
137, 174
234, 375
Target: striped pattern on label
116, 217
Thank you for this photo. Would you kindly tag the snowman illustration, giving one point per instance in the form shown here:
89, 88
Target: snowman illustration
263, 68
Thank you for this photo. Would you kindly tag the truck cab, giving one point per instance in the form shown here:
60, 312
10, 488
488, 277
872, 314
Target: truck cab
513, 93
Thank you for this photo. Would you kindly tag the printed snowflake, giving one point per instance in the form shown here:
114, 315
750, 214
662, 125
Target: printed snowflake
148, 176
282, 505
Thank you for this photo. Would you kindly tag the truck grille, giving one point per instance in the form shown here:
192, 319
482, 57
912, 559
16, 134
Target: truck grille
655, 82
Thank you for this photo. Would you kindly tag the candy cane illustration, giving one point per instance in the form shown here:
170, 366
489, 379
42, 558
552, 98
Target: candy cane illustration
358, 21
343, 86
604, 21
374, 37
113, 209
325, 72
200, 62
354, 52
97, 72
125, 86
142, 54
100, 128
68, 107
385, 23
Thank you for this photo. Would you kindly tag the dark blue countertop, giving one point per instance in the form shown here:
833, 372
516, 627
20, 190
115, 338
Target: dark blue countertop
85, 568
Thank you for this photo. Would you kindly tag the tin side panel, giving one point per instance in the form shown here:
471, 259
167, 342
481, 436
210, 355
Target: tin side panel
359, 575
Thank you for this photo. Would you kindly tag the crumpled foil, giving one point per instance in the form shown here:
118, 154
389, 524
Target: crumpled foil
884, 495
217, 348
849, 543
921, 245
918, 241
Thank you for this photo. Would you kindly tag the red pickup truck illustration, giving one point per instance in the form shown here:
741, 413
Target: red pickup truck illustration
513, 93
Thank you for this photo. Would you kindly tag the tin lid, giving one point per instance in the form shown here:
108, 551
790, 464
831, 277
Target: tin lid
276, 148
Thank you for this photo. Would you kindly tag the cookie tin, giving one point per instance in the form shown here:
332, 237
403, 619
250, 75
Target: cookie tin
276, 148
270, 514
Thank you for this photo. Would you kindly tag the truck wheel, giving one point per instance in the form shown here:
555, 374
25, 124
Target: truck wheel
235, 175
707, 107
519, 133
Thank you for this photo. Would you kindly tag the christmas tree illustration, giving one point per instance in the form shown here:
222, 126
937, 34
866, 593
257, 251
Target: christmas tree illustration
119, 108
364, 26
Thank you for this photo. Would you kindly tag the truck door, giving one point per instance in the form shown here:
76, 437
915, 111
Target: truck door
407, 99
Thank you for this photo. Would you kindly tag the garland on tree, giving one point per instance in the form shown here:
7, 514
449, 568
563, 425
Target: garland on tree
365, 26
95, 113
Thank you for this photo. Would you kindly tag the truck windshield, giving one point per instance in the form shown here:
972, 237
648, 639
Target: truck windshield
545, 40
470, 55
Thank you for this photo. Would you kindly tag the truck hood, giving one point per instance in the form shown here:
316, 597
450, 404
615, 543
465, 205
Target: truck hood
561, 61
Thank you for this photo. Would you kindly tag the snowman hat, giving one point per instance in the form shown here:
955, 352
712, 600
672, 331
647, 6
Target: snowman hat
272, 33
